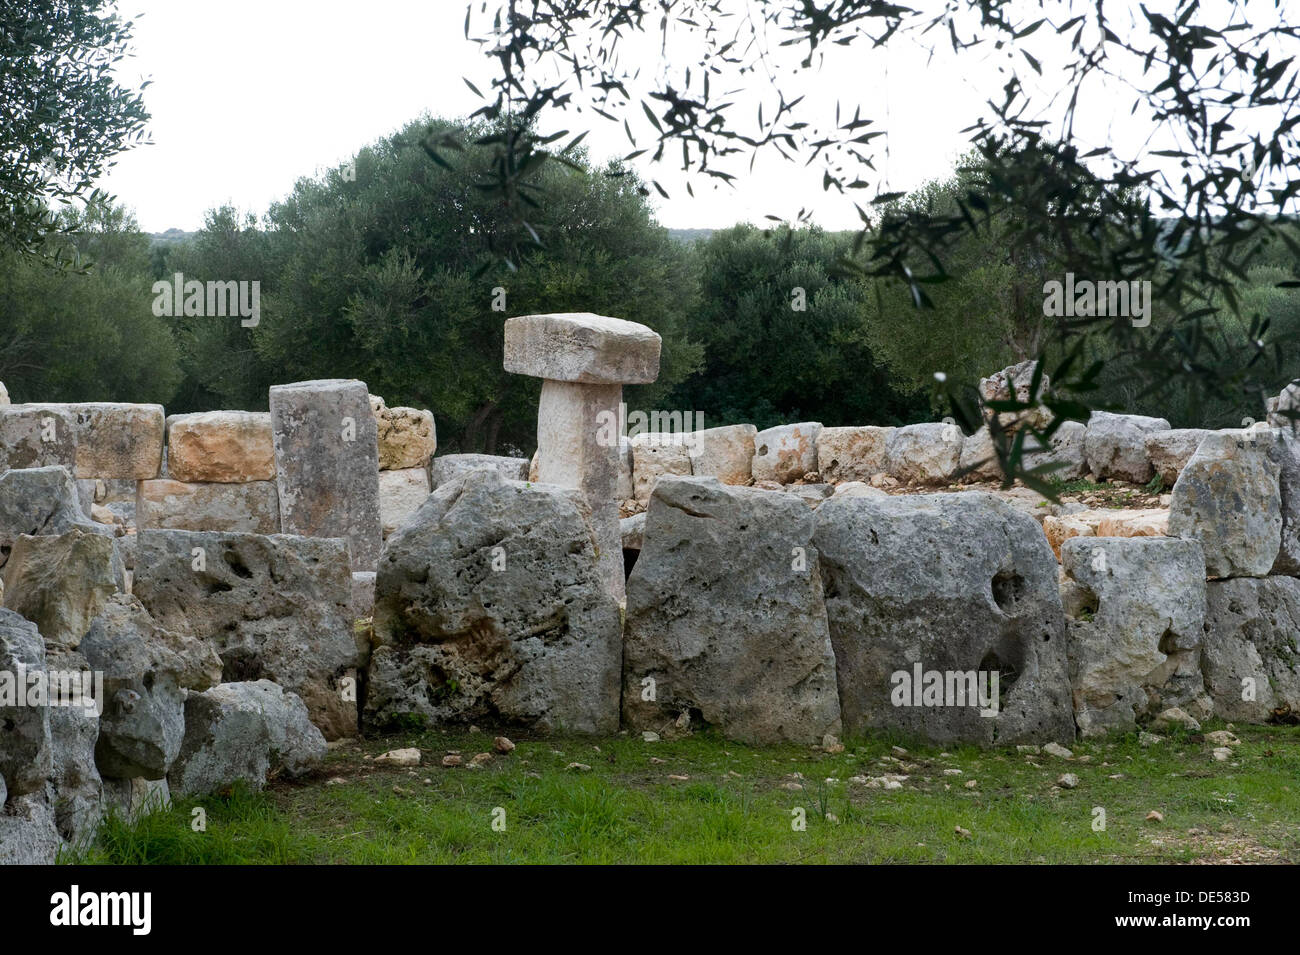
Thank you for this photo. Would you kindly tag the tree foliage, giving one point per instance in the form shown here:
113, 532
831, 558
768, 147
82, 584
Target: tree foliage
1189, 209
63, 115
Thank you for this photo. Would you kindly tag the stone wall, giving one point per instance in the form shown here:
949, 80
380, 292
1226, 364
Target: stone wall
248, 585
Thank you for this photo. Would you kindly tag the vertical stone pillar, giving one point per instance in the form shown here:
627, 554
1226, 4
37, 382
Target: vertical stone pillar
584, 360
327, 464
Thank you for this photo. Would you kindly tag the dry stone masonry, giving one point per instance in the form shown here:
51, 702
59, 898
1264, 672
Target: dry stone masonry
236, 588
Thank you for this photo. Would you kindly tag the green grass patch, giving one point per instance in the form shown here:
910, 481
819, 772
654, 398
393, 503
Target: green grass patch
739, 804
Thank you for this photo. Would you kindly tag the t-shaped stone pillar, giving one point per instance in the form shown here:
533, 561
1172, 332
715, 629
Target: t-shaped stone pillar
585, 360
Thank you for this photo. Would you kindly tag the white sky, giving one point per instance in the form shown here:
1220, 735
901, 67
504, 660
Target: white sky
248, 95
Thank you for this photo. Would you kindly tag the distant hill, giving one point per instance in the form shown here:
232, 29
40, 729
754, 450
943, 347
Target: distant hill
689, 235
171, 235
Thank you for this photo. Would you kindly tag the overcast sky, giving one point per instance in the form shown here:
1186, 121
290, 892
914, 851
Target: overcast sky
248, 95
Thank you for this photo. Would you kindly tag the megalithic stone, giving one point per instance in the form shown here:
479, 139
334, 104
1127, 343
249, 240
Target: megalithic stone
327, 464
585, 360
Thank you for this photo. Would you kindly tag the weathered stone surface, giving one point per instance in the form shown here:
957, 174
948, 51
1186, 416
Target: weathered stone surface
1251, 652
1135, 611
1145, 522
725, 616
242, 731
979, 461
252, 507
489, 608
1170, 451
999, 386
1065, 450
74, 731
407, 438
226, 447
1287, 449
39, 501
852, 453
114, 439
401, 493
28, 835
653, 456
363, 594
146, 670
37, 438
786, 453
1287, 401
4, 394
925, 453
624, 489
633, 531
949, 583
26, 751
577, 446
327, 464
1115, 446
726, 453
62, 582
274, 607
1228, 497
581, 347
448, 466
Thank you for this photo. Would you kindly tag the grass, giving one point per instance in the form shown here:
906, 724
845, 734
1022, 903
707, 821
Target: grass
737, 805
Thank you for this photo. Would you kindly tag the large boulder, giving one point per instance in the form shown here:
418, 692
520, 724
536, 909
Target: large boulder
227, 447
327, 464
786, 453
1251, 652
925, 454
1229, 498
252, 506
243, 732
448, 466
146, 671
61, 582
40, 501
274, 607
1135, 610
852, 453
1115, 446
1170, 451
726, 453
960, 586
725, 620
489, 608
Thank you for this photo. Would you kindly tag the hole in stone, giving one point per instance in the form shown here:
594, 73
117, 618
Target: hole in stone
1168, 642
237, 566
629, 561
1008, 588
218, 587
